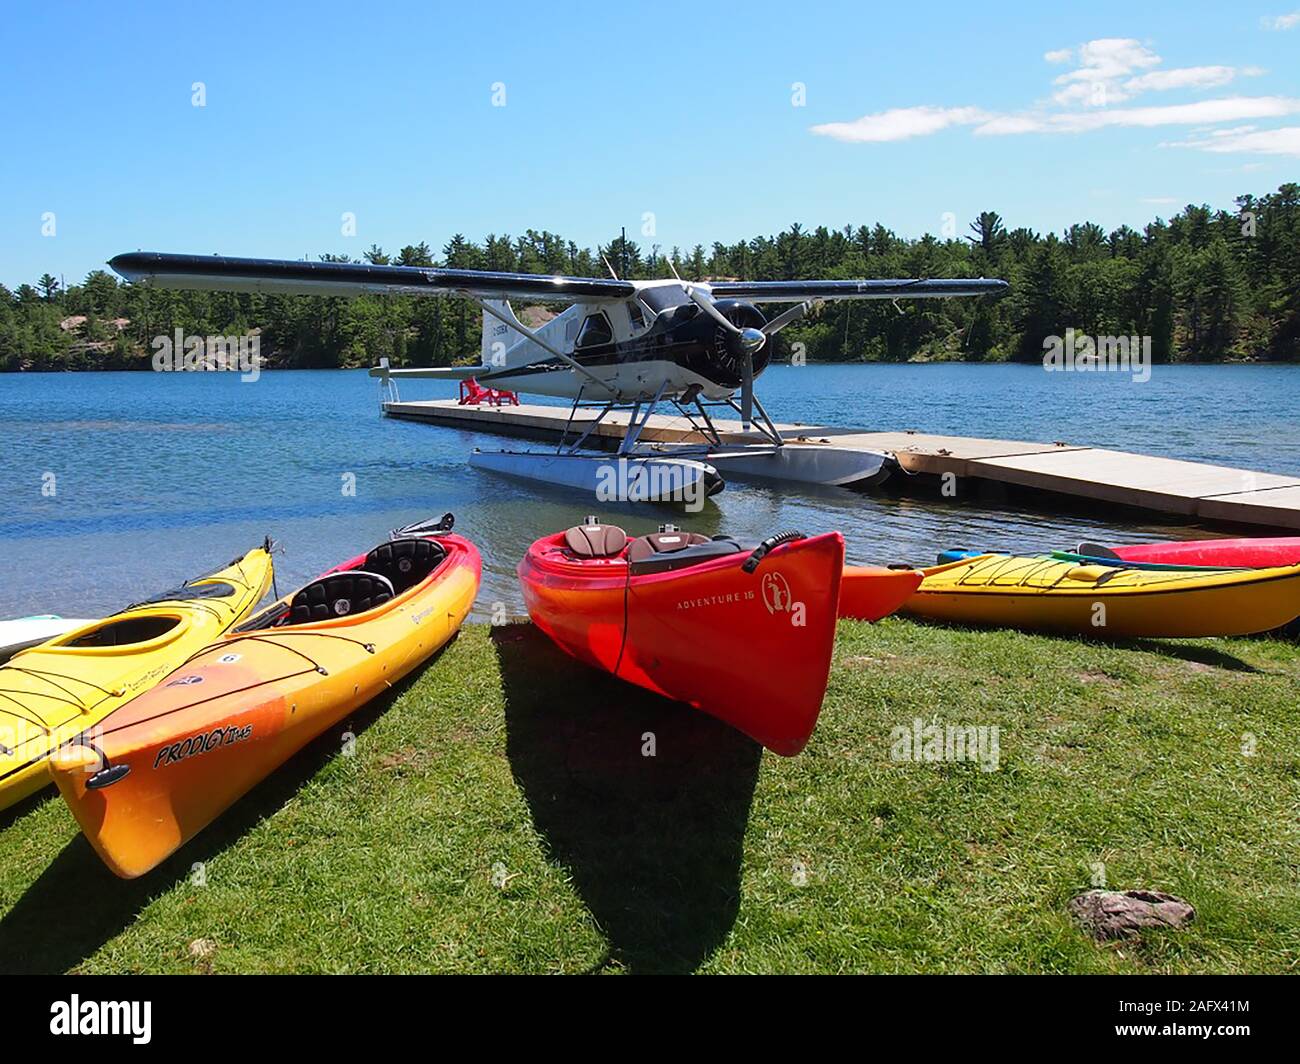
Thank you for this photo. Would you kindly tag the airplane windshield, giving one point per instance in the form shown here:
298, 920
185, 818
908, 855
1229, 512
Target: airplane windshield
663, 297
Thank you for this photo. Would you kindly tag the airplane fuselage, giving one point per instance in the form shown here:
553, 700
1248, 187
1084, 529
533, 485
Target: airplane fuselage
657, 339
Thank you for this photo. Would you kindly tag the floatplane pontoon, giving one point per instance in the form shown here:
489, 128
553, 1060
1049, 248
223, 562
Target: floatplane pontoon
621, 345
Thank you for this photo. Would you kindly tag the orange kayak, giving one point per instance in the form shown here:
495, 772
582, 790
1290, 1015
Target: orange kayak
166, 764
744, 635
868, 592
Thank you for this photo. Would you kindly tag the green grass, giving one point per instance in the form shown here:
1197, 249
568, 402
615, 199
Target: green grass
503, 755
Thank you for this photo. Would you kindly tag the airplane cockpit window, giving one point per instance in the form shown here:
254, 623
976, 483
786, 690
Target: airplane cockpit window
662, 297
634, 314
595, 330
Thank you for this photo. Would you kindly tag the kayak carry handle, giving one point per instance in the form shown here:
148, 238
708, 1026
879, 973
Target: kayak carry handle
760, 552
106, 777
427, 527
107, 773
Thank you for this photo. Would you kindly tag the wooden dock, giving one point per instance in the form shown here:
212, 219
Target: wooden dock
1194, 490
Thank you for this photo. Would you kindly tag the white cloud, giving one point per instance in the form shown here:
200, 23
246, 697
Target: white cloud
1281, 22
1102, 63
1093, 93
1202, 77
1106, 71
901, 123
1231, 109
1000, 125
1111, 57
1283, 141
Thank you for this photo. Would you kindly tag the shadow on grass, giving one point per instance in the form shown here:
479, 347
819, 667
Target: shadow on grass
1201, 655
77, 904
1184, 651
653, 843
18, 810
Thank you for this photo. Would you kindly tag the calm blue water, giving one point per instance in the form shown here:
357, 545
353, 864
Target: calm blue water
158, 477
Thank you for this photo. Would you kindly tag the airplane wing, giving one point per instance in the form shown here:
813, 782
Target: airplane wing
887, 288
220, 273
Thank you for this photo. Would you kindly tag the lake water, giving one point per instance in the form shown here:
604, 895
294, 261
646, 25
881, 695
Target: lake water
158, 477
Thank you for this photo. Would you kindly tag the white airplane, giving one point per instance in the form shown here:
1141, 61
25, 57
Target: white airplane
621, 344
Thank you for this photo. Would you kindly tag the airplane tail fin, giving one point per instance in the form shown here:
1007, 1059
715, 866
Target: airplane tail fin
498, 338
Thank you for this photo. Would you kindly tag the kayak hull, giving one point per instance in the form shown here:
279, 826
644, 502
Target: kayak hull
868, 593
696, 634
210, 732
67, 684
1047, 594
1257, 553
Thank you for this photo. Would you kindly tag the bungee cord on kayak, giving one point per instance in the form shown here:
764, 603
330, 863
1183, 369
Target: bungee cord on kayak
93, 669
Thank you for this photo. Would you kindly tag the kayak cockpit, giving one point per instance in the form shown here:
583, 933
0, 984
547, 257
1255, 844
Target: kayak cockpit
132, 633
668, 549
124, 632
649, 555
358, 586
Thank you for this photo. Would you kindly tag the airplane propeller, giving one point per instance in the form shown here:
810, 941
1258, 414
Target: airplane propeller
782, 320
751, 342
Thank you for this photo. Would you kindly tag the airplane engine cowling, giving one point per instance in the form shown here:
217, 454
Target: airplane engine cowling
727, 352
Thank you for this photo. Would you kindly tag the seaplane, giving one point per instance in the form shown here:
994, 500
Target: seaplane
619, 345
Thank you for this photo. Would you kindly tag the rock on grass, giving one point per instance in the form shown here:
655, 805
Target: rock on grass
1110, 914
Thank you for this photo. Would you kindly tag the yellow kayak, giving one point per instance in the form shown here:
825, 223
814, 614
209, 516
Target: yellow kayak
1043, 593
66, 686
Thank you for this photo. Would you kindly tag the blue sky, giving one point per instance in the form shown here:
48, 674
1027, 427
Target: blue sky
911, 112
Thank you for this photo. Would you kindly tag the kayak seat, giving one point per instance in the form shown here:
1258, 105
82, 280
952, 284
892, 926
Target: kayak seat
643, 559
405, 562
340, 594
1096, 550
595, 540
663, 543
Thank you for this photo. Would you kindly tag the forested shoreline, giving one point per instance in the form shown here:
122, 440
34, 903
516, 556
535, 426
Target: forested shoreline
1207, 285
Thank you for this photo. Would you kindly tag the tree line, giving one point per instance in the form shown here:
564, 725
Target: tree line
1206, 285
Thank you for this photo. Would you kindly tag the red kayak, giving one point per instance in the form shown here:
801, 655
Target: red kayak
868, 592
743, 634
1261, 553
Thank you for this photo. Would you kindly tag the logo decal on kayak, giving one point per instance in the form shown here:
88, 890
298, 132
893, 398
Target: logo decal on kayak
730, 598
185, 681
776, 593
228, 659
201, 744
149, 678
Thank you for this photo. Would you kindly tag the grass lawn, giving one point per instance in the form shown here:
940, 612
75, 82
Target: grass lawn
497, 814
